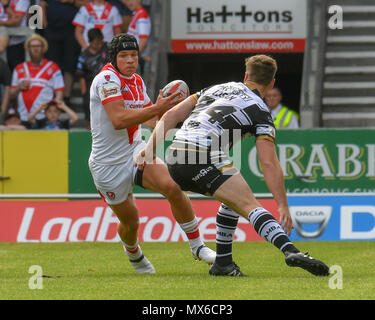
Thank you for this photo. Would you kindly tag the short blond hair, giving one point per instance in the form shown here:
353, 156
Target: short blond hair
261, 69
36, 36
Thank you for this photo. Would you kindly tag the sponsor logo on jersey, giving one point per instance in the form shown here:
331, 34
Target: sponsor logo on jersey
109, 89
109, 92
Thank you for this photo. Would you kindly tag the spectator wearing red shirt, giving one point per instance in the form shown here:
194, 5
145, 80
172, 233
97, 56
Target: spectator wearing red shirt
36, 81
140, 28
97, 14
14, 30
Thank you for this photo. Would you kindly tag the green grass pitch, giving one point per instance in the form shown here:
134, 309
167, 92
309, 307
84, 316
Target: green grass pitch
102, 271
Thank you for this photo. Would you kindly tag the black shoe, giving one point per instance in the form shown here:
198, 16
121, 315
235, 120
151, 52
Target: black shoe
231, 270
304, 261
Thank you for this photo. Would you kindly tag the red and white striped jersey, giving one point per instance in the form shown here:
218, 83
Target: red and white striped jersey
104, 17
110, 146
45, 79
140, 24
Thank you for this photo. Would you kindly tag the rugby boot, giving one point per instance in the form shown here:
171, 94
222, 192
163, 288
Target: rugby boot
231, 270
304, 261
204, 253
142, 265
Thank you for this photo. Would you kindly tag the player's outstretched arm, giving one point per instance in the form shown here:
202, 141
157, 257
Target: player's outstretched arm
169, 121
274, 177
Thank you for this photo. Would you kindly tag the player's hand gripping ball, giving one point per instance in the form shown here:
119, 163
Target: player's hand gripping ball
176, 86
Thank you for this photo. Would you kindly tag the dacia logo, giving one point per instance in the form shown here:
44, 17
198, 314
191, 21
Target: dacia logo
309, 213
302, 215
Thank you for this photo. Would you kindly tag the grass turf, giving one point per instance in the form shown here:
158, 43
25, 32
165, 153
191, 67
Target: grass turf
101, 271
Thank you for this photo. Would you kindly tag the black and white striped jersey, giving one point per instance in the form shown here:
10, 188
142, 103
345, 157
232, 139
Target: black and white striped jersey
224, 114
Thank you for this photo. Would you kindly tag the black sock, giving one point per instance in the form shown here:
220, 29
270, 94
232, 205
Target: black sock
270, 230
226, 224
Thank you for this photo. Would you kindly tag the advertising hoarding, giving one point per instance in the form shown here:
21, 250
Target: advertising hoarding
238, 26
317, 217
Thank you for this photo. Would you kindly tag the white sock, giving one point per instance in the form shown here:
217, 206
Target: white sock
133, 251
192, 232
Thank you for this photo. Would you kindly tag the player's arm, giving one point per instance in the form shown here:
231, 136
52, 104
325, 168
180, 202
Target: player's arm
179, 113
274, 177
169, 121
124, 118
151, 123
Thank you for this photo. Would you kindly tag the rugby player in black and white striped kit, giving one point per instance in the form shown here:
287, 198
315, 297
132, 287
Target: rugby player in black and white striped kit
213, 120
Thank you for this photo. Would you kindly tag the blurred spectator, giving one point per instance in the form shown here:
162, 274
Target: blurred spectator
3, 31
52, 121
125, 13
14, 30
97, 14
90, 62
79, 3
37, 81
282, 116
140, 27
63, 47
12, 121
5, 80
147, 5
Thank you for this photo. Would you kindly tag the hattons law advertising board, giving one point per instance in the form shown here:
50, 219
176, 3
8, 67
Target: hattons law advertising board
238, 26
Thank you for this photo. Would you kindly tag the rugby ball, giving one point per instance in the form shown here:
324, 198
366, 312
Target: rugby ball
175, 86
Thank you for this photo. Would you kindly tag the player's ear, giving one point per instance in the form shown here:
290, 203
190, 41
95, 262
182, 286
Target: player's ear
246, 78
273, 83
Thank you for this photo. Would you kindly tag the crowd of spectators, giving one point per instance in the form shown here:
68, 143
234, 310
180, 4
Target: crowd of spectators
38, 66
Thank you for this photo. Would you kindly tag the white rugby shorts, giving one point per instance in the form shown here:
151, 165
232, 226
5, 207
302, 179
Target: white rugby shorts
114, 182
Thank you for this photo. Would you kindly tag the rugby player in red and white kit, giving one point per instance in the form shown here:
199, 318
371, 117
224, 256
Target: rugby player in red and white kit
119, 104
